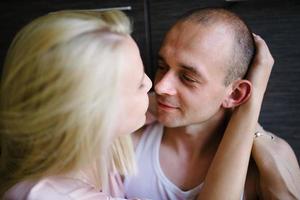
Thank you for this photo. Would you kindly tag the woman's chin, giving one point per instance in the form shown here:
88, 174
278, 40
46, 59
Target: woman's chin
141, 123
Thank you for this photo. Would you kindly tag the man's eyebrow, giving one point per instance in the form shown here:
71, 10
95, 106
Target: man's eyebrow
190, 68
194, 70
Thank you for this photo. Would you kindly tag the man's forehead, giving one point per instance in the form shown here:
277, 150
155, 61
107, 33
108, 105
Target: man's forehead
182, 31
195, 30
197, 38
197, 46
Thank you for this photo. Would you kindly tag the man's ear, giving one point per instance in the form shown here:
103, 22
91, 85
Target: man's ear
239, 94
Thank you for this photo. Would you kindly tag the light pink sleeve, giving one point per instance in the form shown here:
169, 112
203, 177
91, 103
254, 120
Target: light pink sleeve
64, 189
116, 187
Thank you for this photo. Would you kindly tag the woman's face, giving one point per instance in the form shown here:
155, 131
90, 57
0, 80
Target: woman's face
135, 85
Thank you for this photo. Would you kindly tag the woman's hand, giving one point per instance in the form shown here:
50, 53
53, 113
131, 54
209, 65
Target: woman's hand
261, 67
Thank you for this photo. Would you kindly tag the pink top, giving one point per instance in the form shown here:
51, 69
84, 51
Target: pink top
64, 188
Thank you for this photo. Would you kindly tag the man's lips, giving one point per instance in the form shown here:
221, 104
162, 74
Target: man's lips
166, 106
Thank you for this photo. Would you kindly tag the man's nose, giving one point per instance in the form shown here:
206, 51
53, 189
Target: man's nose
166, 85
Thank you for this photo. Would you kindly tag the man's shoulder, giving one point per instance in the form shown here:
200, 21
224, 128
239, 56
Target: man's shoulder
277, 173
276, 144
282, 145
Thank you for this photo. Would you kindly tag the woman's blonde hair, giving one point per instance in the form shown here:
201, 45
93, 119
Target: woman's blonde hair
59, 98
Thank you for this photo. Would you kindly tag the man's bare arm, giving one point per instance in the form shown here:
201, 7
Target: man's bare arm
279, 173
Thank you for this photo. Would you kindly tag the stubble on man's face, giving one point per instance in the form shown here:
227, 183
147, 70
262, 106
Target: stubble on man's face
207, 48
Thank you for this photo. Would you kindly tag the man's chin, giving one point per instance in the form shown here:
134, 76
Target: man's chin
167, 122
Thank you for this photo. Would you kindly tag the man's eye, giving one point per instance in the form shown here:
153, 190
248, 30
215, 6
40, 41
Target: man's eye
187, 78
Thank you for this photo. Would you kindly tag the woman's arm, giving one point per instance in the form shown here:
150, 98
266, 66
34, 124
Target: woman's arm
227, 173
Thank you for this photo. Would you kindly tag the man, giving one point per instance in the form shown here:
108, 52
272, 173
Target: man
201, 66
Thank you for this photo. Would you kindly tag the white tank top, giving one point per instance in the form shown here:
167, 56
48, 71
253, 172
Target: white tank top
150, 181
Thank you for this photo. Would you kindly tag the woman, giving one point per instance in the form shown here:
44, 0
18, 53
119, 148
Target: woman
69, 78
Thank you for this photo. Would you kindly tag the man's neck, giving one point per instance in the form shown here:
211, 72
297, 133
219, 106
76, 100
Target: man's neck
197, 139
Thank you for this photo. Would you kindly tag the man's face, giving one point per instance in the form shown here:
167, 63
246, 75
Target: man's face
189, 82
